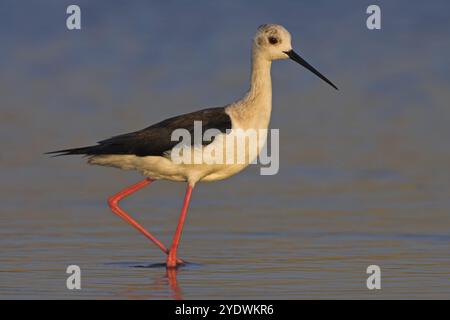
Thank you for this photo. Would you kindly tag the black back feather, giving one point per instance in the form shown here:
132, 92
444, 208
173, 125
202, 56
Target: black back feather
156, 139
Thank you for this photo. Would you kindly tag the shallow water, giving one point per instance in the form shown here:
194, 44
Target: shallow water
364, 172
239, 241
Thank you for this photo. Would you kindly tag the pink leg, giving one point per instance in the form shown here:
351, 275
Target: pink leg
172, 257
113, 202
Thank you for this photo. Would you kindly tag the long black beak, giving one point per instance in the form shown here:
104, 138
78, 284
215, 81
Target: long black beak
294, 56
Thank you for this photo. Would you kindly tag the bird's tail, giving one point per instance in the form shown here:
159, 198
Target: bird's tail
74, 151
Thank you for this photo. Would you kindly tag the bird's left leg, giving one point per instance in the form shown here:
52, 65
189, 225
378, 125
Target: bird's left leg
172, 259
113, 202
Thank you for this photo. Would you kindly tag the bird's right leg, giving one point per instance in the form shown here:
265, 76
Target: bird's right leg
113, 202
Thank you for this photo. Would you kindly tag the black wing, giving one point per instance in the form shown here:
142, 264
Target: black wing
155, 140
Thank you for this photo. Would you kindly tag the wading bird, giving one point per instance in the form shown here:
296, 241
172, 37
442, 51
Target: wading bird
149, 150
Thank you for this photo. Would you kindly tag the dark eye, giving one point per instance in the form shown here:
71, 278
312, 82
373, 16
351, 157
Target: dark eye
273, 40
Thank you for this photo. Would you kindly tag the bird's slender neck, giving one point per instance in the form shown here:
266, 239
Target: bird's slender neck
256, 105
260, 80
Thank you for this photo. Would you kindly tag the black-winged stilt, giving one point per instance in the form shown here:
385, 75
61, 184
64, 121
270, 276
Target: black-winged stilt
149, 150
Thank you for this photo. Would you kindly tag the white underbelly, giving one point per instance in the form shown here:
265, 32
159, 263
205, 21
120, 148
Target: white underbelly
216, 161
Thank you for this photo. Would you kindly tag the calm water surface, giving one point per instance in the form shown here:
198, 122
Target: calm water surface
311, 242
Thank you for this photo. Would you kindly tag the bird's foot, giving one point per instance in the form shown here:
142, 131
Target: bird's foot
173, 261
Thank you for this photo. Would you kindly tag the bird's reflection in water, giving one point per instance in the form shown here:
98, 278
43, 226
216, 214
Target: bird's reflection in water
175, 289
163, 284
167, 280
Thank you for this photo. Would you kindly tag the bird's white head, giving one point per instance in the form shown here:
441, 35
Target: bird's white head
273, 42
